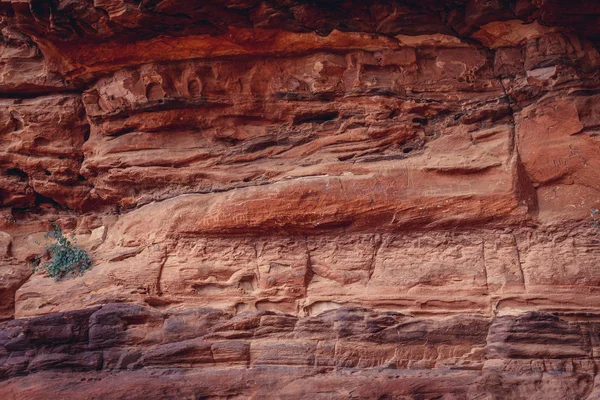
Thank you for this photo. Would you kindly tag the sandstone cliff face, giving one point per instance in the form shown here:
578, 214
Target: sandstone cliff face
301, 200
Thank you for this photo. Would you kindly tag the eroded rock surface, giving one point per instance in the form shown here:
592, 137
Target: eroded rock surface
289, 199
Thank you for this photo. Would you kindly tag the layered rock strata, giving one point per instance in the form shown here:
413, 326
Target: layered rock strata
129, 351
320, 200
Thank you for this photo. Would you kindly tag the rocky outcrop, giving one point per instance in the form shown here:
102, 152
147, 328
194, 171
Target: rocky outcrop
340, 199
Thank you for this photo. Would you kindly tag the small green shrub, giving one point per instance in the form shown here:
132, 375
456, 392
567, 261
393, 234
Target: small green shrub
66, 259
595, 217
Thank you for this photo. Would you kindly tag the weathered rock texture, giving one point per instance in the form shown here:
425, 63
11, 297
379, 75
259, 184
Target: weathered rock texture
301, 200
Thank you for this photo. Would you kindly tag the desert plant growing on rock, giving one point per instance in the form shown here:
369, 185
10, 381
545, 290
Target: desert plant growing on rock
66, 259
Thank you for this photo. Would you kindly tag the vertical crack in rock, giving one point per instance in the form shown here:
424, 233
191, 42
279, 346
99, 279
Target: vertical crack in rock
161, 267
519, 263
372, 262
513, 143
302, 305
522, 182
257, 268
485, 271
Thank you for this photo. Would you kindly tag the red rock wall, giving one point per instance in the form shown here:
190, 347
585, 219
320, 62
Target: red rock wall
301, 200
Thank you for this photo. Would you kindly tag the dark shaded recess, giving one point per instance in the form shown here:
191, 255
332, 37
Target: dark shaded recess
154, 92
383, 157
86, 134
387, 92
162, 104
585, 92
316, 117
122, 131
41, 199
41, 10
229, 140
295, 96
19, 173
254, 147
41, 141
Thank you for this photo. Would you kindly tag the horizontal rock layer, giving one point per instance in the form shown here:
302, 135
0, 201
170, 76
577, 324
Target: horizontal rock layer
339, 199
127, 351
433, 272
